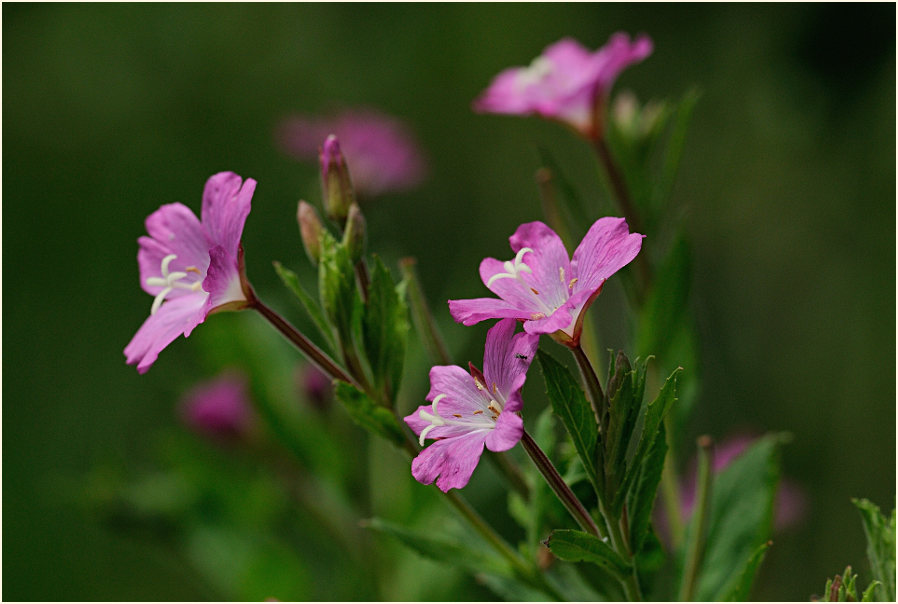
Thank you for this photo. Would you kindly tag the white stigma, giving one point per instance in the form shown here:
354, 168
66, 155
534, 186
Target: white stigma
513, 268
171, 280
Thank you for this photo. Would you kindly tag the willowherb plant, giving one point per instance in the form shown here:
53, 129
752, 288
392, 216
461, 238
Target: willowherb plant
623, 424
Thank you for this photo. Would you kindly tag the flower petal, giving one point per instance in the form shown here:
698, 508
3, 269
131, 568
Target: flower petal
606, 248
512, 290
507, 356
226, 204
508, 431
469, 312
450, 461
173, 318
549, 261
223, 278
618, 54
173, 229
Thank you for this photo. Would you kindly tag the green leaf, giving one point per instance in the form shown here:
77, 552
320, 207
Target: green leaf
626, 389
650, 430
443, 549
642, 498
570, 404
880, 532
340, 298
578, 546
674, 148
511, 590
666, 304
739, 588
869, 594
741, 518
368, 414
291, 280
385, 330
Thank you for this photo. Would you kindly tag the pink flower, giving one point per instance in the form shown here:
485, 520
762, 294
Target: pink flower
191, 267
545, 289
380, 151
219, 408
566, 83
473, 409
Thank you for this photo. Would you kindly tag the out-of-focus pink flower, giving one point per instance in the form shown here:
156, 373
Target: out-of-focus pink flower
471, 409
314, 385
380, 151
542, 286
219, 408
191, 267
567, 82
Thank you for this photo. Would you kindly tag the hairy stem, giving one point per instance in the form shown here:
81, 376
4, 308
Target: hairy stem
593, 386
312, 352
564, 493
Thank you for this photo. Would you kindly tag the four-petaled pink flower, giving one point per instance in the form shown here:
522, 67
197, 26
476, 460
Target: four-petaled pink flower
566, 83
473, 409
191, 267
380, 150
542, 286
219, 408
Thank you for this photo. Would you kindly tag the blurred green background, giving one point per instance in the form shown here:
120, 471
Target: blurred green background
787, 183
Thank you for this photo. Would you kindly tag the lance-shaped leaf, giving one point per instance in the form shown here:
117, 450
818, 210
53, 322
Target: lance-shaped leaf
649, 430
626, 387
741, 518
642, 497
880, 532
369, 415
444, 549
579, 546
740, 584
385, 330
291, 280
570, 404
336, 285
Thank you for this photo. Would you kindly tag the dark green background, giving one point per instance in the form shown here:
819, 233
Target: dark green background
788, 181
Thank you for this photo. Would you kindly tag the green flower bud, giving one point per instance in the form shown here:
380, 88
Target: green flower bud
336, 185
355, 235
310, 229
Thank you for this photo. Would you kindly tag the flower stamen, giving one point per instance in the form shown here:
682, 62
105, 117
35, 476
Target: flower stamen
170, 281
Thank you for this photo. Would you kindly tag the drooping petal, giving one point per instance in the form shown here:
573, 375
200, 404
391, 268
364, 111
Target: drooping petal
475, 310
606, 248
549, 261
223, 278
507, 356
226, 204
449, 461
175, 317
507, 433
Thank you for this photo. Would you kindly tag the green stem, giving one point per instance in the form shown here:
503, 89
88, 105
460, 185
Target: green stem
622, 546
698, 533
593, 386
314, 354
670, 491
564, 493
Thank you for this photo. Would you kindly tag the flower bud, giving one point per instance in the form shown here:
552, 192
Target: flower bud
355, 234
336, 186
310, 228
219, 409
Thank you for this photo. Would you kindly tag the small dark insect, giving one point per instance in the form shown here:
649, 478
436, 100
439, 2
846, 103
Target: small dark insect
518, 355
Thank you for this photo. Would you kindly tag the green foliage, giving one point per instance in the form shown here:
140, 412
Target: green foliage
880, 532
340, 298
313, 308
368, 414
578, 546
570, 404
843, 588
444, 549
385, 330
741, 517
